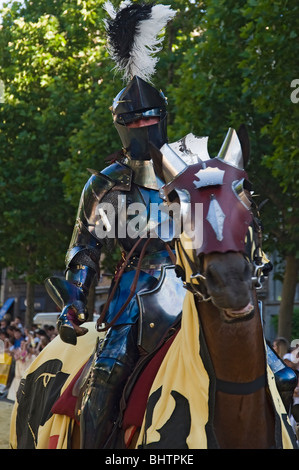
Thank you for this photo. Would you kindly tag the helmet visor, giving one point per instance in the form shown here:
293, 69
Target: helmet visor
128, 118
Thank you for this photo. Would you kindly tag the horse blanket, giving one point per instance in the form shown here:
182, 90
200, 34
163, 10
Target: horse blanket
178, 407
178, 403
43, 413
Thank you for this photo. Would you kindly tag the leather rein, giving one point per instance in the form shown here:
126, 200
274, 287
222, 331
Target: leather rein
101, 325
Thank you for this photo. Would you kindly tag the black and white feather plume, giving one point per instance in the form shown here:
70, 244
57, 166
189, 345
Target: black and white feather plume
134, 34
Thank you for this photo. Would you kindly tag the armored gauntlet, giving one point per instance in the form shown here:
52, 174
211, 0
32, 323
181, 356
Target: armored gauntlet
72, 301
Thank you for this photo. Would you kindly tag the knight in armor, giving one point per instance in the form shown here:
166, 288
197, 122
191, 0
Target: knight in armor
103, 218
140, 118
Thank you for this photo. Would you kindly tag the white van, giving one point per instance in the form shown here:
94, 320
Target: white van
50, 318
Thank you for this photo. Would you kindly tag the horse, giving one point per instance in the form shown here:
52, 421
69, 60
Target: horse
208, 385
241, 407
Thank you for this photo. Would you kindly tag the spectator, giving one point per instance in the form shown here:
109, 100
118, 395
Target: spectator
51, 332
19, 337
4, 324
23, 357
17, 322
3, 335
9, 345
291, 361
23, 349
7, 317
44, 340
281, 346
10, 331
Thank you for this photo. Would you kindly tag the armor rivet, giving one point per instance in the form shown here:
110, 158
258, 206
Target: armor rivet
152, 325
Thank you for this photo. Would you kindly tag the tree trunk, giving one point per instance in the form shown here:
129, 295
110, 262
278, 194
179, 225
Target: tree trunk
287, 297
30, 288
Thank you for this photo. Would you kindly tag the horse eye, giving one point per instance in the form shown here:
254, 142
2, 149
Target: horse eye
242, 189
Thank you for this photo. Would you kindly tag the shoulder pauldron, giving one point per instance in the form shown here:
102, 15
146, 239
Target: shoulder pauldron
115, 177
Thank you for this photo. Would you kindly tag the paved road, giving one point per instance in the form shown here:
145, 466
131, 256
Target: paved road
6, 407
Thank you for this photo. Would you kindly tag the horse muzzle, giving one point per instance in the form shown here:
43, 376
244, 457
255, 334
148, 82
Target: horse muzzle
229, 285
231, 314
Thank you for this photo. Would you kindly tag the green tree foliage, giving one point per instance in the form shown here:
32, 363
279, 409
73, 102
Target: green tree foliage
239, 69
222, 64
50, 66
271, 33
210, 96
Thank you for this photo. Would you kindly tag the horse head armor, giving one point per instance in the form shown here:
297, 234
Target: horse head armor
220, 185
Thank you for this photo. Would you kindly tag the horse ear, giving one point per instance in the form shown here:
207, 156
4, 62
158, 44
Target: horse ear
231, 150
245, 143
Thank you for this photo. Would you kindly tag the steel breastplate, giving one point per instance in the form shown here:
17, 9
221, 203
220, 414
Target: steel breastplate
157, 305
106, 214
142, 224
160, 308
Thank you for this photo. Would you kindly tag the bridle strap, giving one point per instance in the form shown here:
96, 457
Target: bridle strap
241, 388
195, 289
193, 266
101, 326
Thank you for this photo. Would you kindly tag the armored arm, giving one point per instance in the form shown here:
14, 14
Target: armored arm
71, 293
83, 255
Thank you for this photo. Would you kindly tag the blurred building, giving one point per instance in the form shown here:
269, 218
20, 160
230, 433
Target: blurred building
270, 295
13, 296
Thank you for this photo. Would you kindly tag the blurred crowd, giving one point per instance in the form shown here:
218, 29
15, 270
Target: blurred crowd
290, 356
20, 347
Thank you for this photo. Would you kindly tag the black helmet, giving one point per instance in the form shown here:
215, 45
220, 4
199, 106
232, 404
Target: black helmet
140, 100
